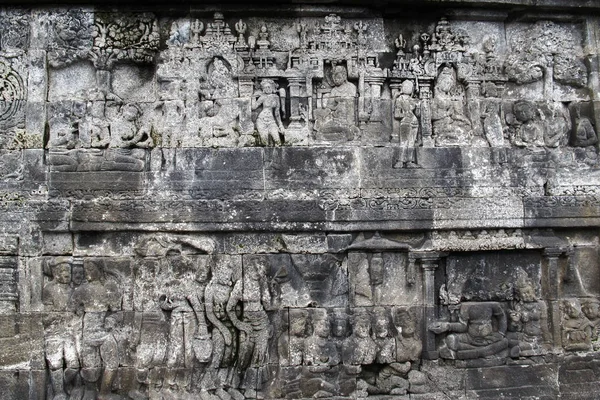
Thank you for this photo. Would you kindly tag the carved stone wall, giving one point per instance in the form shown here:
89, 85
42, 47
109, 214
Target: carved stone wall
300, 202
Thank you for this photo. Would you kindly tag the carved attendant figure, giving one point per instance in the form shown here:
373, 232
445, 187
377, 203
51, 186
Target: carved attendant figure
528, 321
490, 116
268, 123
253, 295
405, 110
224, 335
59, 339
576, 328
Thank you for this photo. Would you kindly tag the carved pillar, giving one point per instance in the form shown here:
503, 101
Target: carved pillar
551, 279
246, 88
297, 88
473, 92
375, 83
429, 263
426, 127
592, 44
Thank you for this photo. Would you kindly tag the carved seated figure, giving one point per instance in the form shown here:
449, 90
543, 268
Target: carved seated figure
584, 133
127, 139
479, 333
337, 121
529, 131
219, 108
576, 328
451, 127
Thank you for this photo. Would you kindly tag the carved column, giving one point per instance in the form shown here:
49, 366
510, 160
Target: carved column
429, 263
473, 92
592, 43
426, 127
297, 87
375, 83
551, 279
246, 87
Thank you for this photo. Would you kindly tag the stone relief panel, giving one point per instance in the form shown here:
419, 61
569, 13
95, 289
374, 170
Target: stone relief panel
222, 81
335, 204
147, 315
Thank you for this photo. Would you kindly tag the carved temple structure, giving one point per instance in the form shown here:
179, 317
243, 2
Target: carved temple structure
389, 200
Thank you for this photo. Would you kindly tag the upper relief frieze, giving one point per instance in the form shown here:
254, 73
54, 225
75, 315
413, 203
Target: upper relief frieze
226, 81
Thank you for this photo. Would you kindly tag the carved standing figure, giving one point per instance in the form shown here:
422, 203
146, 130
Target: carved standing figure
219, 375
252, 294
405, 111
490, 116
60, 342
268, 122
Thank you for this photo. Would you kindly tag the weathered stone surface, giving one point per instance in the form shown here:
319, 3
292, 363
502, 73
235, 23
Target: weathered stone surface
396, 200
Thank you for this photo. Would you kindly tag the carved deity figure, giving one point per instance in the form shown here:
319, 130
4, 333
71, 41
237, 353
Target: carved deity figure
219, 106
577, 330
126, 131
337, 121
297, 336
406, 108
268, 122
386, 344
113, 342
391, 378
451, 127
557, 124
591, 309
527, 321
252, 295
490, 116
480, 332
